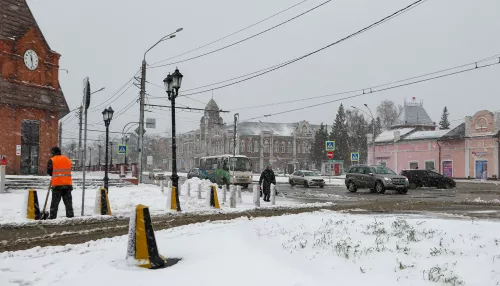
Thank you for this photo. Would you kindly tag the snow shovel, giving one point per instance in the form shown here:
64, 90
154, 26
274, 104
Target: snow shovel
45, 214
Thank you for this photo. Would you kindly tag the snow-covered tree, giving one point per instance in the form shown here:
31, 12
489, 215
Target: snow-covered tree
341, 137
357, 128
444, 123
388, 112
318, 152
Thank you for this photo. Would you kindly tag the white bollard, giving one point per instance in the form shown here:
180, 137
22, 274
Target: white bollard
188, 188
224, 191
162, 188
273, 194
169, 184
199, 191
238, 190
169, 198
207, 199
256, 195
232, 196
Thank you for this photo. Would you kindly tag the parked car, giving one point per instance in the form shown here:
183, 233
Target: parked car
376, 179
157, 174
193, 173
425, 178
306, 178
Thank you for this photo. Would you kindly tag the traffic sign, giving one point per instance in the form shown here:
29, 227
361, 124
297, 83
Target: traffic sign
122, 149
355, 156
18, 150
137, 131
330, 145
330, 155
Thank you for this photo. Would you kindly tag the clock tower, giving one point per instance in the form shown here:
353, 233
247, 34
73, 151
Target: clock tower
31, 99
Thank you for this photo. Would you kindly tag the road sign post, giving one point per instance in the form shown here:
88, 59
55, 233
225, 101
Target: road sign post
355, 157
330, 145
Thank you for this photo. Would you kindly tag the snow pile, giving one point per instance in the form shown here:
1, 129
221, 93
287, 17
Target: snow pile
320, 248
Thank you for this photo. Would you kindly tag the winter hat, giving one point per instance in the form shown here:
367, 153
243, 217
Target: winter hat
55, 151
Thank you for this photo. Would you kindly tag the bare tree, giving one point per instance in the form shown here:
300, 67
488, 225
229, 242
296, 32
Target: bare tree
388, 112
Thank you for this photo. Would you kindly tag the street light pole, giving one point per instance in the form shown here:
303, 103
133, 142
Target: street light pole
90, 158
236, 117
142, 98
172, 85
373, 137
107, 116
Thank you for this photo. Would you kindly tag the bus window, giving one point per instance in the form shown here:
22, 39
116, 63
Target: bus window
202, 164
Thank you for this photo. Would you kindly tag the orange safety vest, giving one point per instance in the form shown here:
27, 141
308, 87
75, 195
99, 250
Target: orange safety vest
61, 171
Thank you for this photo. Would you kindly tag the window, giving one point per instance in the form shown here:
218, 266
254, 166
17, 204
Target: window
249, 147
354, 170
383, 170
304, 147
255, 146
276, 147
413, 165
266, 146
290, 150
429, 165
282, 149
481, 124
242, 145
383, 163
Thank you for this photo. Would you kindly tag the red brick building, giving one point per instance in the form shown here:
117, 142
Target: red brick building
31, 99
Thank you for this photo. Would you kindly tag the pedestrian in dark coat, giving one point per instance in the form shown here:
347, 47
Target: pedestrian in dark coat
266, 179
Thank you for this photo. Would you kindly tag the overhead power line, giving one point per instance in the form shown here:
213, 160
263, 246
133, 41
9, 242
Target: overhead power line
112, 98
371, 91
366, 89
286, 63
232, 34
243, 40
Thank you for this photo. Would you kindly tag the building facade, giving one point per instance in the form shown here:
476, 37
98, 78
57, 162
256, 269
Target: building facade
469, 150
31, 100
284, 145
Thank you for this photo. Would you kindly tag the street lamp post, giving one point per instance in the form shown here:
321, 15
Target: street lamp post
111, 161
126, 143
99, 156
90, 158
373, 127
172, 84
107, 115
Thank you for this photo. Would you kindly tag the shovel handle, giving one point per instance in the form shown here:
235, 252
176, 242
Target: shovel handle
47, 197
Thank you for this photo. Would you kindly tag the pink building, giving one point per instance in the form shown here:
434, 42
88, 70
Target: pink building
469, 150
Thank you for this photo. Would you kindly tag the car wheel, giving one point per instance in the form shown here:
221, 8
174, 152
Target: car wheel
352, 187
306, 185
413, 186
448, 186
322, 186
379, 187
291, 183
403, 191
245, 186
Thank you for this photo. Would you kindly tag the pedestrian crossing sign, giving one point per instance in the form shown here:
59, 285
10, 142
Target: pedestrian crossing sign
330, 145
122, 149
355, 157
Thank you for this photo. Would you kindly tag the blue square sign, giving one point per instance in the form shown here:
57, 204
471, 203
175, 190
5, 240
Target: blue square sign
122, 149
355, 156
330, 145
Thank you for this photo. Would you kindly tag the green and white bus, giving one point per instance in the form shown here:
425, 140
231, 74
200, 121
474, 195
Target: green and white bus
226, 169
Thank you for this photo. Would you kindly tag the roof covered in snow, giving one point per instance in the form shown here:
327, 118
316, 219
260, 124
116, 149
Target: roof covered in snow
388, 135
457, 132
419, 135
278, 129
413, 114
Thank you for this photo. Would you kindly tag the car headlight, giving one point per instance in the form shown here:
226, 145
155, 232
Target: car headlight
249, 177
387, 179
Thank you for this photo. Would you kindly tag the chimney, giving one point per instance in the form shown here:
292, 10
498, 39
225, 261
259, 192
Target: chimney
397, 136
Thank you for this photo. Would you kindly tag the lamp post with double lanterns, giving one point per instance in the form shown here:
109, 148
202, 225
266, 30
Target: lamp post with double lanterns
107, 115
172, 84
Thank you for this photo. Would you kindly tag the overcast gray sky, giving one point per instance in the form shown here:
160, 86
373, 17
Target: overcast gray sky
105, 40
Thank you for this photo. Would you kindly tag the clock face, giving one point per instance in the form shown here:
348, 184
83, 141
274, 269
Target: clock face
31, 59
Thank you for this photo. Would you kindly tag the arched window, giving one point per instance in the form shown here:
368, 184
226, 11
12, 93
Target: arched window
255, 146
282, 149
266, 146
481, 124
290, 146
242, 146
276, 147
249, 146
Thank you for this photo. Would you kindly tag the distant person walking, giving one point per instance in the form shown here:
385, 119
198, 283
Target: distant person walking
59, 167
266, 179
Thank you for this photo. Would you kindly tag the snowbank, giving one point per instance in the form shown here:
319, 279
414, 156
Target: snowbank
321, 248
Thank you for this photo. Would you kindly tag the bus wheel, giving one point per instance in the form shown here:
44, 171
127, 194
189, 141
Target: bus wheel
245, 186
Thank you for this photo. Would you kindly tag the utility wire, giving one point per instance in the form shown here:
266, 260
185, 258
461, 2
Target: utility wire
367, 89
374, 91
383, 20
110, 99
243, 40
234, 33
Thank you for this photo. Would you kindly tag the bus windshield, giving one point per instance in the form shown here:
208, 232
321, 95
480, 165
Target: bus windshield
240, 164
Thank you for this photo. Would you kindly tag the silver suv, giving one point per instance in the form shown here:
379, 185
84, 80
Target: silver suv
376, 178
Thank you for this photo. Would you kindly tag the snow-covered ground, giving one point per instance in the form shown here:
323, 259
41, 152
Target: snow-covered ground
124, 199
321, 248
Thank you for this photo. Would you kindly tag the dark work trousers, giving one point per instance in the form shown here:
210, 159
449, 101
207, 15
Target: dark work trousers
267, 193
56, 199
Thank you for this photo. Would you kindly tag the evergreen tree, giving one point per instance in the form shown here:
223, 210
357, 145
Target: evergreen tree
357, 128
341, 137
444, 123
318, 152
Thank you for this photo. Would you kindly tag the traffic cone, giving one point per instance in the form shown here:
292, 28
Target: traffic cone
214, 200
142, 250
31, 205
102, 206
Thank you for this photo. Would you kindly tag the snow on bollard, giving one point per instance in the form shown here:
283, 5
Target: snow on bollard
31, 209
162, 188
199, 191
273, 194
232, 196
224, 193
238, 190
188, 188
256, 195
101, 206
171, 199
142, 250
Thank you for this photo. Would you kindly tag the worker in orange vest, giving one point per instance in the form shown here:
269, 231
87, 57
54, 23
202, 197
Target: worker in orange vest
59, 167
